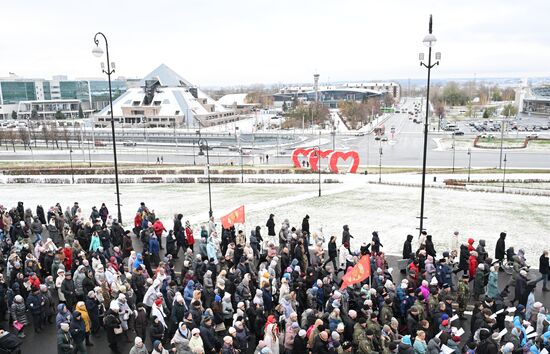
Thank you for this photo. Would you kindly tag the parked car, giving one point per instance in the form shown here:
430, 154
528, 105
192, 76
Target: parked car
458, 132
129, 143
99, 143
384, 138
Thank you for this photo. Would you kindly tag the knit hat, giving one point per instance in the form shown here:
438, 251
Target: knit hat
232, 330
138, 340
302, 333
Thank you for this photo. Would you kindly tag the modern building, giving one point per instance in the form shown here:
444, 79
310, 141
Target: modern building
19, 94
165, 99
535, 100
238, 103
331, 95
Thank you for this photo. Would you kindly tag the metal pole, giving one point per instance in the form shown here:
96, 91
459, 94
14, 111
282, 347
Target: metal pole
71, 158
194, 162
319, 162
242, 171
209, 188
380, 164
454, 152
469, 163
504, 174
429, 66
203, 142
501, 144
109, 72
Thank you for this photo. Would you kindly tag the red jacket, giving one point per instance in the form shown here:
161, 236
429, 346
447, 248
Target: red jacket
189, 235
137, 221
471, 245
68, 252
158, 228
472, 266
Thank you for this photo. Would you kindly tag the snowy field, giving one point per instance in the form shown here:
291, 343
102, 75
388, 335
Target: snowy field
392, 211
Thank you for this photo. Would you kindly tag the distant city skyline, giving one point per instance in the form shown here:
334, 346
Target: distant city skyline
243, 42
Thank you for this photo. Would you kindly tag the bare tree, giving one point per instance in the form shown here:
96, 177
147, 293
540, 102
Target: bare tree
11, 135
25, 137
46, 134
66, 135
32, 132
54, 134
3, 138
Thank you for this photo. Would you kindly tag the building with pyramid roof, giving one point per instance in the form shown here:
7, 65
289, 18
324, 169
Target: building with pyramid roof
165, 99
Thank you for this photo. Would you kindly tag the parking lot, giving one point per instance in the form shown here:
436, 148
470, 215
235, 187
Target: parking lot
533, 126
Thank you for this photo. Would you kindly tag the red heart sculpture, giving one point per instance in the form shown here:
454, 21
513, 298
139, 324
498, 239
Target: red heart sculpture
297, 152
314, 158
335, 156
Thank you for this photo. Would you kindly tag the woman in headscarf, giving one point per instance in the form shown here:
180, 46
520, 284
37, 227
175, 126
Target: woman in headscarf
189, 234
271, 337
138, 261
81, 307
188, 293
158, 311
180, 340
18, 314
196, 344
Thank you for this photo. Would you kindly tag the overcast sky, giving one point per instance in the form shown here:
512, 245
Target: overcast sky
223, 42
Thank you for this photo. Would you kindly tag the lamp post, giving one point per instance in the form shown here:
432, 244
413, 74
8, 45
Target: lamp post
454, 152
203, 145
319, 161
504, 174
242, 171
98, 52
194, 162
71, 158
380, 163
429, 41
469, 163
501, 143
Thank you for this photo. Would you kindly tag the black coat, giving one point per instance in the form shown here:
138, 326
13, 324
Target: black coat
500, 250
305, 225
110, 322
543, 265
430, 249
300, 345
463, 263
93, 312
346, 236
407, 247
40, 214
270, 227
332, 250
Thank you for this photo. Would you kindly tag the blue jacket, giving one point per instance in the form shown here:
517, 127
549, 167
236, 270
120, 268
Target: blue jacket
154, 245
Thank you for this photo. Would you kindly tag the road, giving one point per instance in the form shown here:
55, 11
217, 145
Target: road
403, 148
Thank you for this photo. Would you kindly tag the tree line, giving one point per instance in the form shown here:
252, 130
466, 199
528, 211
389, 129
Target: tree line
52, 135
454, 94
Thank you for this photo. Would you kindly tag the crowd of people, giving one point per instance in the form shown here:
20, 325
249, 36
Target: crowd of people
276, 290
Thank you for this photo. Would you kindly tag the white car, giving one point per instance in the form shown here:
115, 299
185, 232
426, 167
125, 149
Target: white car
129, 143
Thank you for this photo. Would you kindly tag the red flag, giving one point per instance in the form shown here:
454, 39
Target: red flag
357, 274
234, 217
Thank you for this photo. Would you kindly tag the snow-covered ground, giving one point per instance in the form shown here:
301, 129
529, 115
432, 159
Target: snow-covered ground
390, 210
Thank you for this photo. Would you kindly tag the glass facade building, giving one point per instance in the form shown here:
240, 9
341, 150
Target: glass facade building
13, 92
93, 94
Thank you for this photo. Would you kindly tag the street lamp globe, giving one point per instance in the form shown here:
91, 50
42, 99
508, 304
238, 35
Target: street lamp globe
429, 40
97, 51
